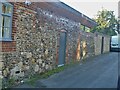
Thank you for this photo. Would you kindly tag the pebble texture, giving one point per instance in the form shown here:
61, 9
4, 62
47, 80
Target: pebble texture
37, 44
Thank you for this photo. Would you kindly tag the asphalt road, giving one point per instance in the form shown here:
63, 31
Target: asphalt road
99, 72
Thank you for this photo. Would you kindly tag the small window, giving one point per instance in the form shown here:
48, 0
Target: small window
87, 29
82, 27
6, 21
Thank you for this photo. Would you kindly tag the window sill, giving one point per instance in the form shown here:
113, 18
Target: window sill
6, 40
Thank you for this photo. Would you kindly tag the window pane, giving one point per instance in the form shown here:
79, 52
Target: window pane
5, 28
6, 32
87, 29
3, 8
82, 27
3, 20
6, 8
7, 21
0, 32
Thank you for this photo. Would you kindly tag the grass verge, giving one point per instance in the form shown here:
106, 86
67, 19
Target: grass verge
33, 79
44, 75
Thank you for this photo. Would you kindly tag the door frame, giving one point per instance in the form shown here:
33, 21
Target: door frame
102, 45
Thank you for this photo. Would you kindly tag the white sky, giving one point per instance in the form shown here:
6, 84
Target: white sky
90, 8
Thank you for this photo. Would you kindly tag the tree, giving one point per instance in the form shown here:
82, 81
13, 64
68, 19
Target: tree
106, 22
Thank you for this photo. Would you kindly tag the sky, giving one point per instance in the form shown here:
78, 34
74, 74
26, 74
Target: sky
91, 7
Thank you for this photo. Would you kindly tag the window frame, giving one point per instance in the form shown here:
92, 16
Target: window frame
8, 15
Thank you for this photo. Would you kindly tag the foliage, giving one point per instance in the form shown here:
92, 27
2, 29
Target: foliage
106, 22
7, 84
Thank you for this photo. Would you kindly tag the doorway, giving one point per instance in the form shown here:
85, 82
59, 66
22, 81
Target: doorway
62, 49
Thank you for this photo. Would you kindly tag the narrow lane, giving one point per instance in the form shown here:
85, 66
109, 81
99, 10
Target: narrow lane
98, 72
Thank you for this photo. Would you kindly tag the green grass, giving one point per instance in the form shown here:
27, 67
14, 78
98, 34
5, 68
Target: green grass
44, 75
33, 79
10, 83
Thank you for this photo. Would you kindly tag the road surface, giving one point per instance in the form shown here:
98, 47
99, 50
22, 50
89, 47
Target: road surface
98, 72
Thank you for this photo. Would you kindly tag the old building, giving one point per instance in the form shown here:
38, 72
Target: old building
42, 36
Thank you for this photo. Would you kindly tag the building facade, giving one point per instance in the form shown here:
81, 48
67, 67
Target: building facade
41, 36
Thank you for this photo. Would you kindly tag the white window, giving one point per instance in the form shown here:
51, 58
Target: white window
6, 10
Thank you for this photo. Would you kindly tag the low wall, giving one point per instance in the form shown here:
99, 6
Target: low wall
99, 49
106, 44
97, 41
